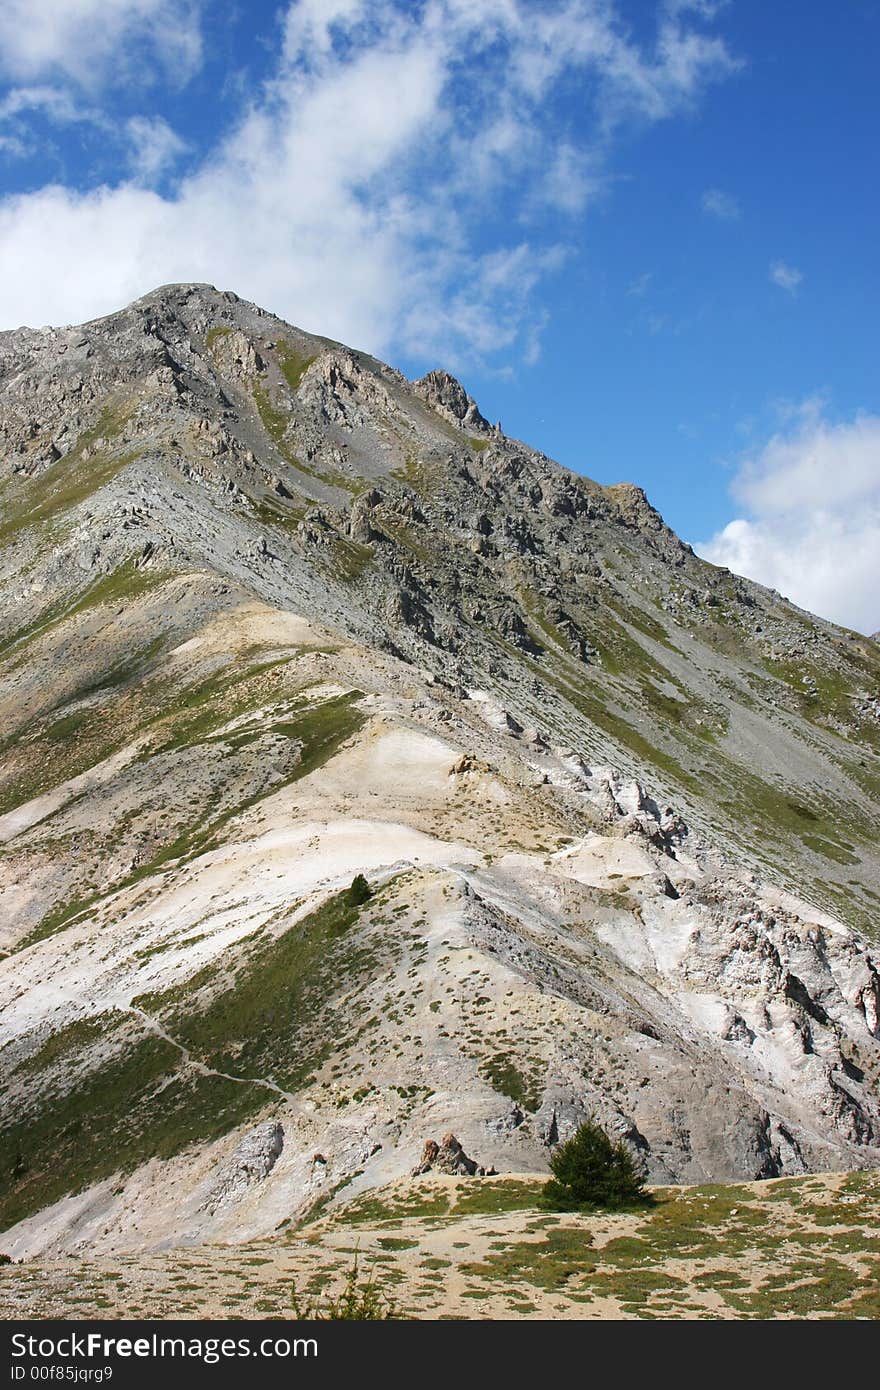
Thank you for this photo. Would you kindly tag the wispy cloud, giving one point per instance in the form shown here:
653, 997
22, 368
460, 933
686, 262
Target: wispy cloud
722, 205
638, 287
812, 526
361, 216
98, 42
787, 277
154, 147
708, 9
57, 105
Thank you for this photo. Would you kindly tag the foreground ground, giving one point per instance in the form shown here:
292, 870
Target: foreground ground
471, 1248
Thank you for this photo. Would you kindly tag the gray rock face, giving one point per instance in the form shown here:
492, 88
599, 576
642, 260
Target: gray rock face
251, 1162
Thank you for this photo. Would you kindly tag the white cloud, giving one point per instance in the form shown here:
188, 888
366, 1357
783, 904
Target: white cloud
14, 146
310, 25
813, 494
722, 205
93, 41
155, 147
787, 277
570, 182
147, 143
352, 196
54, 102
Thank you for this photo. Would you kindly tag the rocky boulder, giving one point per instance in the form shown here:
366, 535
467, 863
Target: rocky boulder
448, 1157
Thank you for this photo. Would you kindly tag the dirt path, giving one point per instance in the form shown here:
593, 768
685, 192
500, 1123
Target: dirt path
156, 1027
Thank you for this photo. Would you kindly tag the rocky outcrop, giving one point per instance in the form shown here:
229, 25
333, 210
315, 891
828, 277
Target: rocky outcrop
251, 1162
449, 398
448, 1157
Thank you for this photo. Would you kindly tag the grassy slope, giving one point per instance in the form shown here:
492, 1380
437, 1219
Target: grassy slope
271, 1019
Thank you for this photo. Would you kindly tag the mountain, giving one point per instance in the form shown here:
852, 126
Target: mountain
273, 618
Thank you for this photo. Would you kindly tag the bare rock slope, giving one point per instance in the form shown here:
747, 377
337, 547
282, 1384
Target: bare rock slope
272, 617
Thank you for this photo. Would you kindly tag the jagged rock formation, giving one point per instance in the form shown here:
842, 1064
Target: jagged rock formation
271, 617
449, 398
448, 1157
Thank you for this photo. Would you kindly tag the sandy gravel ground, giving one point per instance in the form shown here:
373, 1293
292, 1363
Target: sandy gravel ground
460, 1248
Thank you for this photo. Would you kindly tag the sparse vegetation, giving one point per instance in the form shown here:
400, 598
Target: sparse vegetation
791, 1248
359, 1300
214, 334
275, 1017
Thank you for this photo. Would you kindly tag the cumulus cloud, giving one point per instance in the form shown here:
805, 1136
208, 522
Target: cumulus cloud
787, 277
352, 196
812, 529
722, 205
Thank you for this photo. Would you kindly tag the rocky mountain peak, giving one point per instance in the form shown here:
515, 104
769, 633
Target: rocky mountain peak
448, 397
366, 776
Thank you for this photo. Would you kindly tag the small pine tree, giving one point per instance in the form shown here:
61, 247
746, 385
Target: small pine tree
359, 891
590, 1171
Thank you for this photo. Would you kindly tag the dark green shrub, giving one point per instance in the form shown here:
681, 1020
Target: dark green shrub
590, 1171
359, 891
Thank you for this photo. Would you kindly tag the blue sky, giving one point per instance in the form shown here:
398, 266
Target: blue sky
643, 232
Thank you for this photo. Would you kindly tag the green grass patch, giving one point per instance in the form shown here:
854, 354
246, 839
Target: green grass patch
293, 364
488, 1197
829, 850
320, 729
69, 1042
350, 558
549, 1263
61, 487
504, 1075
213, 335
276, 1019
274, 420
122, 585
379, 1209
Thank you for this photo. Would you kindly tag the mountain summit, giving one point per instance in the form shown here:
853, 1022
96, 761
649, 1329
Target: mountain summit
273, 618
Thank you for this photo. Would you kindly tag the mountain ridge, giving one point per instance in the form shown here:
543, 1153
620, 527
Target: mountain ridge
272, 616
